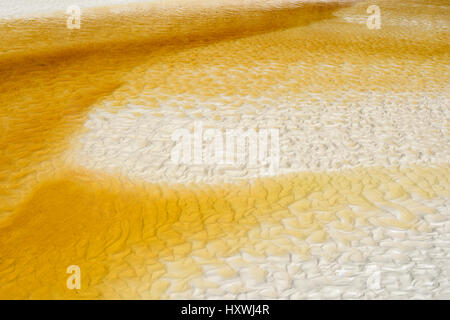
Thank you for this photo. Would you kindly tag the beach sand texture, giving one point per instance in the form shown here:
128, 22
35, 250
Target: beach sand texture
362, 188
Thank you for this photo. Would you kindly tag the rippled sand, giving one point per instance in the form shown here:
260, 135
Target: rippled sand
363, 183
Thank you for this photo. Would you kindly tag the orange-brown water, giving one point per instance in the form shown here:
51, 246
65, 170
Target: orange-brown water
123, 233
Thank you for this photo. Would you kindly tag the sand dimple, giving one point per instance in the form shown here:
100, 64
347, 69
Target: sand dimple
372, 131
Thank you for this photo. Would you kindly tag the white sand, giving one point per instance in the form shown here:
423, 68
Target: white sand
374, 129
32, 8
379, 131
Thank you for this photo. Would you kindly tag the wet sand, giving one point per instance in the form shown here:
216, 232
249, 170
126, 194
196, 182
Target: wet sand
364, 179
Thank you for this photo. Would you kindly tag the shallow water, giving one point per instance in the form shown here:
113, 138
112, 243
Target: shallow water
364, 180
